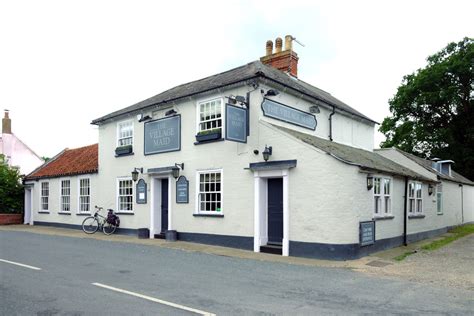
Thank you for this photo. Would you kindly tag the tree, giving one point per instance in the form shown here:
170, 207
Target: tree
433, 109
11, 189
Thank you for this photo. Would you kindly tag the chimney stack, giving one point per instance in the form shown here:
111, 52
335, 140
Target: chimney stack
283, 60
6, 124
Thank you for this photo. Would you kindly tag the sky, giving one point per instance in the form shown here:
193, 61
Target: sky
65, 63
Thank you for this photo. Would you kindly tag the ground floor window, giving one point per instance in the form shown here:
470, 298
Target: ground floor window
210, 192
415, 198
65, 196
439, 198
382, 196
125, 195
84, 195
44, 196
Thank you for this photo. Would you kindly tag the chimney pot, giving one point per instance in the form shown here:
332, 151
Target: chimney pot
278, 44
269, 48
288, 42
6, 124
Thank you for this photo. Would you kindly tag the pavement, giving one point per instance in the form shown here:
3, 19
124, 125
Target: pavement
91, 275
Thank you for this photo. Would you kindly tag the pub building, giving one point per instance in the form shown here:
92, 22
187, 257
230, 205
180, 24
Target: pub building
253, 158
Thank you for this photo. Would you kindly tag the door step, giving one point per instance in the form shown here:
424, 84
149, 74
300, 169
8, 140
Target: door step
160, 236
273, 249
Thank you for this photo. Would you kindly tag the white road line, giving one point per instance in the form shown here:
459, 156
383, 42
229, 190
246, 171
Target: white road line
156, 300
20, 264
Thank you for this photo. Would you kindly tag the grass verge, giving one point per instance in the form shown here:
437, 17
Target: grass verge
457, 232
403, 256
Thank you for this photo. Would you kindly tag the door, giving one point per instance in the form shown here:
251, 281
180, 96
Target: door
275, 210
164, 205
28, 217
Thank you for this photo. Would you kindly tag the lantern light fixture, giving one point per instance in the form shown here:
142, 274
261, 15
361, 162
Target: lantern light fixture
135, 173
370, 182
175, 170
267, 152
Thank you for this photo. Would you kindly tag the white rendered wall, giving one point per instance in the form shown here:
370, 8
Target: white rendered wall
18, 154
54, 215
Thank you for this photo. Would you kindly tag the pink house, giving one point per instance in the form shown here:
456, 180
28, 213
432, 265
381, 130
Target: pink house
15, 152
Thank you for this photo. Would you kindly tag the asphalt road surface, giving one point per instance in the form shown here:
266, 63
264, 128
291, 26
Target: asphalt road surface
95, 277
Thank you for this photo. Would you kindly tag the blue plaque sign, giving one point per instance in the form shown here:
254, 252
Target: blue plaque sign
236, 123
163, 135
367, 233
288, 114
182, 190
141, 192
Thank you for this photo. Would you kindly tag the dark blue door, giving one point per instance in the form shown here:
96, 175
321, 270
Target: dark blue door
275, 210
164, 205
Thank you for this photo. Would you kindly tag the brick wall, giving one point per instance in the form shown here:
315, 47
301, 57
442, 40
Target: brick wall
11, 219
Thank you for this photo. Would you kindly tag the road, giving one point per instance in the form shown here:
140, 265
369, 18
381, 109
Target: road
175, 281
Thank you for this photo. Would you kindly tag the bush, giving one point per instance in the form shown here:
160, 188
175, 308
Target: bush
11, 189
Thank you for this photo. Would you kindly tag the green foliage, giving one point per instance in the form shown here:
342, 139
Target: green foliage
11, 189
433, 109
210, 131
457, 232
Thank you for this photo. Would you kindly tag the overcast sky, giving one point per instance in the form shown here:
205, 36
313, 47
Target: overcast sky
65, 63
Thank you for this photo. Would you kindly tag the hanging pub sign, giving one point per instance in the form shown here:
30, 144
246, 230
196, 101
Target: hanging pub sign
141, 192
366, 233
288, 114
163, 135
236, 123
182, 190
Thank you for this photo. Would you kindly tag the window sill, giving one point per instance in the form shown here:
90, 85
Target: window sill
123, 155
64, 213
208, 215
83, 214
382, 218
209, 141
416, 216
43, 212
124, 213
439, 213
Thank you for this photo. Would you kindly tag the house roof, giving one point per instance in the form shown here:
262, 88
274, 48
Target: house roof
456, 177
364, 159
69, 162
253, 70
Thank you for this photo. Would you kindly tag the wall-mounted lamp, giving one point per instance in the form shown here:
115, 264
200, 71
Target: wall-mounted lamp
143, 118
171, 112
370, 182
271, 93
232, 99
175, 170
314, 109
135, 173
430, 189
267, 153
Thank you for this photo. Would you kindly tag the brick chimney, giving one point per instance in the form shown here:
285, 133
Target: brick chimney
285, 60
6, 124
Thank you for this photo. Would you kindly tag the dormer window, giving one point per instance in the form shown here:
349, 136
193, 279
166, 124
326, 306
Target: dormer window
442, 166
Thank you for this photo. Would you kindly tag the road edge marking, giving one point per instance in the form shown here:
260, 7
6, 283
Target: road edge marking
20, 264
153, 299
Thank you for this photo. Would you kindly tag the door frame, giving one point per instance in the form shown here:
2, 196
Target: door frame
261, 208
156, 199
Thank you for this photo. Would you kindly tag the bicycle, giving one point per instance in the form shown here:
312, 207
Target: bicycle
108, 224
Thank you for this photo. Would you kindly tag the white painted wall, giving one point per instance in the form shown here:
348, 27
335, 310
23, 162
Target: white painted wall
54, 215
18, 154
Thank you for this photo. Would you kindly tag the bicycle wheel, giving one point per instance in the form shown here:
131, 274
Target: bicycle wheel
90, 225
108, 228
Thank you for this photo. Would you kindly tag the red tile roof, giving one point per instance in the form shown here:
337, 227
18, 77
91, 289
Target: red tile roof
69, 162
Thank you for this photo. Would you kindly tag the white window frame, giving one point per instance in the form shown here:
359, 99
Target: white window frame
198, 192
119, 138
79, 210
415, 198
439, 199
61, 210
44, 196
384, 210
198, 114
117, 195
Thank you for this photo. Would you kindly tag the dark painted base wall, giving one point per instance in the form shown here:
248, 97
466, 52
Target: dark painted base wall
121, 231
297, 248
